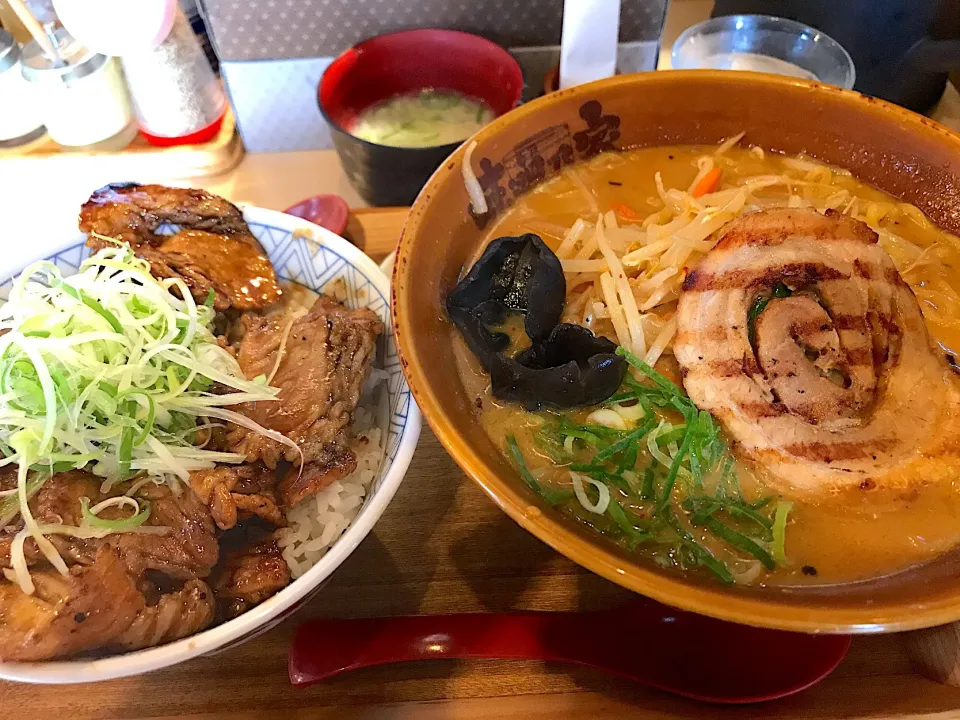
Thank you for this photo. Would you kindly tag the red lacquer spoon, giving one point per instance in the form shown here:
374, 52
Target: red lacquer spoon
328, 211
676, 651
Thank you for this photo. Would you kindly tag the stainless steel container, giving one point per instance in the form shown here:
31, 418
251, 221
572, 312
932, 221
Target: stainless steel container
19, 111
83, 98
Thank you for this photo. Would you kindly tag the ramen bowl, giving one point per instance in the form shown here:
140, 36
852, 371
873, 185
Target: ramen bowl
894, 150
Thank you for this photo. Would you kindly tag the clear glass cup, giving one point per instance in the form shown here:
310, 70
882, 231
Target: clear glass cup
763, 43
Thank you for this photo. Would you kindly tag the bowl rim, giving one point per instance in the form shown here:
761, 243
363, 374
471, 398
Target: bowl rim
254, 621
782, 612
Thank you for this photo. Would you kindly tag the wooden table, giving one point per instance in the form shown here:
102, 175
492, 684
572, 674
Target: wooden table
442, 546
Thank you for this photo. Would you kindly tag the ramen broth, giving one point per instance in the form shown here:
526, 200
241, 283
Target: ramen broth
844, 537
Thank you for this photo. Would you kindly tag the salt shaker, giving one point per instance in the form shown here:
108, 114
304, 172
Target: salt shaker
82, 97
177, 96
19, 112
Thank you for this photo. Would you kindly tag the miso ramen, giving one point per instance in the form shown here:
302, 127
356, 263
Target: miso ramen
422, 119
787, 416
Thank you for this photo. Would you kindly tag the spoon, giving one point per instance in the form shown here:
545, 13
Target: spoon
680, 652
328, 211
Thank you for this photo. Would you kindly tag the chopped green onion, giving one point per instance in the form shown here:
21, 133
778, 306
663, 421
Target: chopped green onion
621, 397
62, 466
739, 541
703, 506
707, 560
623, 521
609, 459
125, 452
780, 532
661, 381
647, 491
439, 100
672, 473
598, 473
10, 506
604, 432
94, 305
547, 442
743, 511
128, 523
629, 439
208, 302
553, 497
673, 434
569, 429
628, 460
701, 555
727, 478
151, 414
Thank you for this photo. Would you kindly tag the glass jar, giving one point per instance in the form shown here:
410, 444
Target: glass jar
82, 95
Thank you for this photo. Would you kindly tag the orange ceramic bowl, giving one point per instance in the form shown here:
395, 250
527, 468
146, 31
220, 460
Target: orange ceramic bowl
888, 147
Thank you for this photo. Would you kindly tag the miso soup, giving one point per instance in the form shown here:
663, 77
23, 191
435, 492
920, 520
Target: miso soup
422, 119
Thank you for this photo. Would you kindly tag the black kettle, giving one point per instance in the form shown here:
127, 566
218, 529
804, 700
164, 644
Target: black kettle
902, 49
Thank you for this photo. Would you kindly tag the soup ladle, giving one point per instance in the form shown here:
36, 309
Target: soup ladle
672, 650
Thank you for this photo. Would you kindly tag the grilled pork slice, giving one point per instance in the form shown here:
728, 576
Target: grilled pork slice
234, 492
188, 549
799, 335
326, 355
176, 615
213, 251
251, 569
57, 501
90, 607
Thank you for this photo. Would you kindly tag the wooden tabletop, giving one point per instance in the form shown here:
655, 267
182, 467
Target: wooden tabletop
442, 546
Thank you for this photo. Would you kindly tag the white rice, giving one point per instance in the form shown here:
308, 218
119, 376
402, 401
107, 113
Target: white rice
316, 522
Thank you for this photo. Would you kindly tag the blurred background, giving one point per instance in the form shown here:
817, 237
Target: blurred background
224, 93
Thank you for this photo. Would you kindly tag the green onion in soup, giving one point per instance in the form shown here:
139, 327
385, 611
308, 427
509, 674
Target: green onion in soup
422, 119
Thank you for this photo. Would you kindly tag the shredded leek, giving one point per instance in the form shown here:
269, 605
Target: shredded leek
90, 517
603, 493
108, 370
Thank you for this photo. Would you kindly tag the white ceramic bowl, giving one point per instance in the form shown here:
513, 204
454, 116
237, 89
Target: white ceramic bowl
305, 253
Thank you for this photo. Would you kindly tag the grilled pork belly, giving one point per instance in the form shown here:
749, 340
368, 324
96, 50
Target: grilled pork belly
799, 335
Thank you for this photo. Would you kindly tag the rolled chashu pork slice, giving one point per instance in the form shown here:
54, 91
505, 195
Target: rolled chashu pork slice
837, 384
